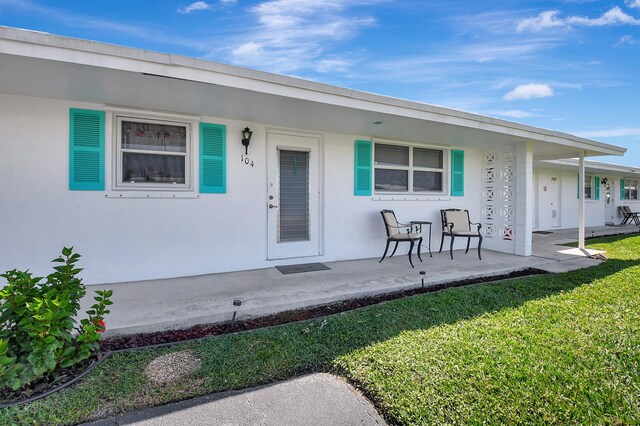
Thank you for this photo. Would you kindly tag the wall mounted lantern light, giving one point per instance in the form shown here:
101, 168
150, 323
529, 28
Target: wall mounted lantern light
246, 139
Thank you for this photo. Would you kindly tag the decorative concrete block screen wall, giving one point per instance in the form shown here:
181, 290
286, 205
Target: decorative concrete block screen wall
498, 198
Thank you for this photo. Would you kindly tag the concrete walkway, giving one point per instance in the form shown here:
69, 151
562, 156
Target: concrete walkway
145, 306
315, 399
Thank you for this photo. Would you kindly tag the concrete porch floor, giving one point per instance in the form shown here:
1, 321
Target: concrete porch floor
145, 306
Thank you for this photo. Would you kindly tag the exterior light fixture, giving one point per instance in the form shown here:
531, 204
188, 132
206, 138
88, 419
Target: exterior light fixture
246, 139
236, 303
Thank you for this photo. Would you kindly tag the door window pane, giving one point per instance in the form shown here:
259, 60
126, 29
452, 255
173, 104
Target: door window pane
392, 180
294, 196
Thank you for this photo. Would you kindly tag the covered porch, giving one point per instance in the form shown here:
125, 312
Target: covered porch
174, 303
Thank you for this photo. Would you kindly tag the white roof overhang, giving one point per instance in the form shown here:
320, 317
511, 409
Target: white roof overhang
591, 167
44, 65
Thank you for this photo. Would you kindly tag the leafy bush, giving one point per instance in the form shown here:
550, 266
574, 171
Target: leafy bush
38, 330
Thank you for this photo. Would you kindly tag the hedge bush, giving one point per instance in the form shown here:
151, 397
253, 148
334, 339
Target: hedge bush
39, 333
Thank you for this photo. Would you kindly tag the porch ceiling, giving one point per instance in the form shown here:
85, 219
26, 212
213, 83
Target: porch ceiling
97, 73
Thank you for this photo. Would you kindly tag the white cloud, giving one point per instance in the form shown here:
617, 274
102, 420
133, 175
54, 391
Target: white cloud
332, 65
198, 5
634, 4
610, 133
137, 30
248, 50
628, 39
529, 91
614, 16
514, 113
543, 21
550, 19
292, 35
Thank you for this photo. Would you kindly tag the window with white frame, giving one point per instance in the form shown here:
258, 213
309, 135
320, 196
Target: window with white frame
408, 169
588, 187
152, 154
630, 189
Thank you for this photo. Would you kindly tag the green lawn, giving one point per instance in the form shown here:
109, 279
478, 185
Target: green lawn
543, 349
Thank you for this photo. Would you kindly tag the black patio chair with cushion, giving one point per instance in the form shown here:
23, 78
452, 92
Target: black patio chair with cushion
456, 223
395, 234
628, 216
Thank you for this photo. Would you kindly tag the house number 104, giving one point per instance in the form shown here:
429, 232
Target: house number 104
245, 159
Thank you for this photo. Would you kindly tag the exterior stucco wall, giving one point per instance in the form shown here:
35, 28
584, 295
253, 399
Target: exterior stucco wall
126, 239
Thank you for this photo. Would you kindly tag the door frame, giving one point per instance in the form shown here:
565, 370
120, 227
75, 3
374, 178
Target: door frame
321, 203
603, 195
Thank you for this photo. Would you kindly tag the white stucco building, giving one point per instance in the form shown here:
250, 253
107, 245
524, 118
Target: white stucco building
135, 158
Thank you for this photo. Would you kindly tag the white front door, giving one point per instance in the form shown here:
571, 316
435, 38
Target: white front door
548, 201
293, 196
608, 191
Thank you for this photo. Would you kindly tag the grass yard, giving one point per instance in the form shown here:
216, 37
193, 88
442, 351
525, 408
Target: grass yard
561, 349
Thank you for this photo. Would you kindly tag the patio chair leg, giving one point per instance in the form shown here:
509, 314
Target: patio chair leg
441, 243
451, 247
394, 249
410, 250
479, 245
419, 245
468, 242
385, 251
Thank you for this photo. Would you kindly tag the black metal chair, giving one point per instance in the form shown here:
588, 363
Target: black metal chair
394, 234
456, 223
629, 216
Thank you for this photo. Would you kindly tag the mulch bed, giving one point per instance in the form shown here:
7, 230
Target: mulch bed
142, 340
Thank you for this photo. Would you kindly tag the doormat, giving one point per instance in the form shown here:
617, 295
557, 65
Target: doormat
305, 267
542, 232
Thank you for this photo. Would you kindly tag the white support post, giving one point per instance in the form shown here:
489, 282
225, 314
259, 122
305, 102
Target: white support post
524, 199
581, 201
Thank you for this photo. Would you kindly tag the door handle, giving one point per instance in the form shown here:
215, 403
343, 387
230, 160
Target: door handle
271, 206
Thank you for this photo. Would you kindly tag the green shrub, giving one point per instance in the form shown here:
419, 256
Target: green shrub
38, 330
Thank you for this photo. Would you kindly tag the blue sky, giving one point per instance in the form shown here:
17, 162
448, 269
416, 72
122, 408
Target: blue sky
567, 65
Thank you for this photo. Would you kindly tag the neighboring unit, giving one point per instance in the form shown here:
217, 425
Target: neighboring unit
606, 188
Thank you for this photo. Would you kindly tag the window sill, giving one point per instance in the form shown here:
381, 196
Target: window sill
156, 195
410, 197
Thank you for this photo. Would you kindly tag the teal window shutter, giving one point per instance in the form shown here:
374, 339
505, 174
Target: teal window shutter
596, 182
622, 189
213, 164
457, 173
363, 161
86, 150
